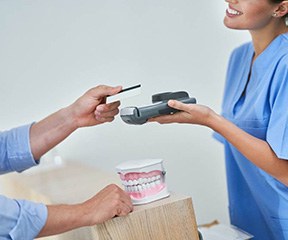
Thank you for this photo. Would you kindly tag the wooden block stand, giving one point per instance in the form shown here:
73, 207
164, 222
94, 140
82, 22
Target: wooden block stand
171, 218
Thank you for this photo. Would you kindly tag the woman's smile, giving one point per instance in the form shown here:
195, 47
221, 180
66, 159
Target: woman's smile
231, 12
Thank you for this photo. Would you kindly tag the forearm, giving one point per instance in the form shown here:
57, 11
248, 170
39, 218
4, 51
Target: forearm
50, 131
111, 201
63, 218
254, 149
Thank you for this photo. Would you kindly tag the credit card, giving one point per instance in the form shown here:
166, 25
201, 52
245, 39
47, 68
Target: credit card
125, 93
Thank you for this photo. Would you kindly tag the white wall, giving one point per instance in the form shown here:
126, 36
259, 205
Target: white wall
52, 51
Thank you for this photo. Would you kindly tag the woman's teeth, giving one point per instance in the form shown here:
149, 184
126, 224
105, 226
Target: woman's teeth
233, 12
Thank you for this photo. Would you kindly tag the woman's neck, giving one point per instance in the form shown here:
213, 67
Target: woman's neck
262, 38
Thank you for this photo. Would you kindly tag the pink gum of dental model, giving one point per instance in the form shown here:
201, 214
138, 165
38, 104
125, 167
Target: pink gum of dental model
143, 180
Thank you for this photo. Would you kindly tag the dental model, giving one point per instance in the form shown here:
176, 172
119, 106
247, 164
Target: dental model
143, 180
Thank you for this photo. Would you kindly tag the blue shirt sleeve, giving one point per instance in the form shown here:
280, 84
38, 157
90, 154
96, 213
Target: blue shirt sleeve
15, 151
277, 133
21, 219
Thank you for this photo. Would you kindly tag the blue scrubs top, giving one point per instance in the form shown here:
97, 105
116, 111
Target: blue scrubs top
258, 203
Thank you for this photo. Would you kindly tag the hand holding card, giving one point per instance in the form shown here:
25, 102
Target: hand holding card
125, 93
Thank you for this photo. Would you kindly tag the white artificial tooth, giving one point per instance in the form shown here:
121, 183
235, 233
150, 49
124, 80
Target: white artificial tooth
145, 180
158, 182
135, 182
140, 188
141, 180
158, 177
148, 185
153, 178
130, 183
149, 180
153, 184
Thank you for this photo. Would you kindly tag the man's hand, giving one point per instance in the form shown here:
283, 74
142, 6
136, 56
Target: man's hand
109, 202
91, 108
88, 110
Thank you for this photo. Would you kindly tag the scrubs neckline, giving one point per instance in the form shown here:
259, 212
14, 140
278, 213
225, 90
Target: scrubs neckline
265, 57
261, 62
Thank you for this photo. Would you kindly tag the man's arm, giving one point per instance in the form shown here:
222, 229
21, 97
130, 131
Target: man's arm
20, 219
108, 203
88, 110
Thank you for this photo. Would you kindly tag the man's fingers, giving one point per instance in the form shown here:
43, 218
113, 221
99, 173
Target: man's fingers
124, 209
104, 91
127, 201
106, 112
108, 107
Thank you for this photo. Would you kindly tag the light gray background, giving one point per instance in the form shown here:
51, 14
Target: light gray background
51, 52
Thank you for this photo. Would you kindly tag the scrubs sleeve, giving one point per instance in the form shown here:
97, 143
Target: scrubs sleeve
277, 132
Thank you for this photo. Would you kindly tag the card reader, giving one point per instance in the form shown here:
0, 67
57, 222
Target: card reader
140, 115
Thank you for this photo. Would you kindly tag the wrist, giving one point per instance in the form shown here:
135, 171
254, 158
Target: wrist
214, 120
79, 216
85, 210
70, 117
62, 218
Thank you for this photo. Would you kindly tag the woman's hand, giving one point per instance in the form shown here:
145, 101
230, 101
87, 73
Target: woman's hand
189, 113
